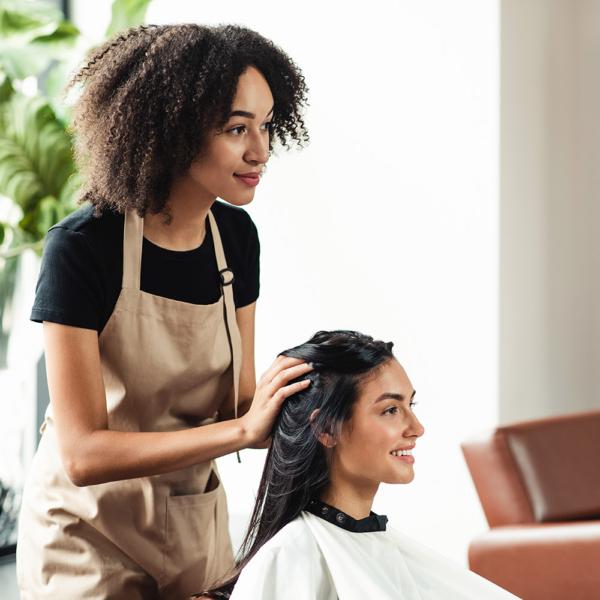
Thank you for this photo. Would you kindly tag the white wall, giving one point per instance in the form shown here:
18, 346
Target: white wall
386, 223
550, 226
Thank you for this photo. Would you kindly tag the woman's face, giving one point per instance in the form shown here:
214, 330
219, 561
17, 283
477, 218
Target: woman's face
383, 423
242, 146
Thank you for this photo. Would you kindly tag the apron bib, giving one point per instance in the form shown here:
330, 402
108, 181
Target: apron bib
167, 365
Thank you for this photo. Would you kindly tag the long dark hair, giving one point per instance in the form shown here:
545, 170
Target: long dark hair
296, 468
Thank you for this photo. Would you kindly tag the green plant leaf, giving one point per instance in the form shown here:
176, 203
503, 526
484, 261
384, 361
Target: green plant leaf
35, 155
47, 213
6, 87
31, 35
9, 233
52, 85
126, 13
23, 62
65, 35
27, 19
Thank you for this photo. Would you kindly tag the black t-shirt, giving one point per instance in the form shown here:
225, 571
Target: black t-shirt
82, 267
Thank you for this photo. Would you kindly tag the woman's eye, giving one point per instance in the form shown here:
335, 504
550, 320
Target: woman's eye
269, 126
392, 410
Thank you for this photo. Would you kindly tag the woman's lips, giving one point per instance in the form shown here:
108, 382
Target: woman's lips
250, 181
408, 458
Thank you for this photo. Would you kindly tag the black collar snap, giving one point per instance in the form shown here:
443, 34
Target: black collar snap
373, 522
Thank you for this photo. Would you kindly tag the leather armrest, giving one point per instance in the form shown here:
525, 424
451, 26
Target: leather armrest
497, 481
541, 561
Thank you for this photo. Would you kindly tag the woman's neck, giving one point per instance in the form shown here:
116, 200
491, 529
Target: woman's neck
188, 209
351, 497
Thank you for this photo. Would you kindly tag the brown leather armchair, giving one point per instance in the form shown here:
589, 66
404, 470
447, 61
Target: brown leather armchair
539, 486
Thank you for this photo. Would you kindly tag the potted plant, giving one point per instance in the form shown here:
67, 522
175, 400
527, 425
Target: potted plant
39, 48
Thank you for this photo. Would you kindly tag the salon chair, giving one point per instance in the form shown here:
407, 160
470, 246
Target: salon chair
539, 485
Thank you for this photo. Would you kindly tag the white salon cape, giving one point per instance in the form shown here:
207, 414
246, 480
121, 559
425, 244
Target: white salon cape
314, 559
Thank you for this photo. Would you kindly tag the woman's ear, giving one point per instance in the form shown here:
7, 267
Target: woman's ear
326, 438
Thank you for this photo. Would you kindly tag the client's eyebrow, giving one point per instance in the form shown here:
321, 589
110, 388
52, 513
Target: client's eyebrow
245, 113
392, 396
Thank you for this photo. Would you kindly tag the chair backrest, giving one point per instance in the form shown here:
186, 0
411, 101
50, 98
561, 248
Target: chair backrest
539, 470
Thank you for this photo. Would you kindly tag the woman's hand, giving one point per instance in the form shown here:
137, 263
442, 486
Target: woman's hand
271, 392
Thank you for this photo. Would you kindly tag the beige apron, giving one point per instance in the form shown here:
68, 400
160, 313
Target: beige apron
167, 365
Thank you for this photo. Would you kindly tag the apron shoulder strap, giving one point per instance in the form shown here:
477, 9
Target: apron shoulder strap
233, 332
133, 235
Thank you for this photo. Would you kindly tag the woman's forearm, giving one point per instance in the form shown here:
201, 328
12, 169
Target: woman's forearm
106, 455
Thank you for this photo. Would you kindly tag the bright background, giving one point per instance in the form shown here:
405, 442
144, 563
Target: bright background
387, 223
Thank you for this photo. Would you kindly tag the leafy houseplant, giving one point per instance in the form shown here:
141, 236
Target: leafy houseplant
38, 178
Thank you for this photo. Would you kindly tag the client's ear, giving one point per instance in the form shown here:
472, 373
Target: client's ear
326, 438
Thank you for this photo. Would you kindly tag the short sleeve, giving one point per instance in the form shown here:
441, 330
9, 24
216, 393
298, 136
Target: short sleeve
69, 289
250, 292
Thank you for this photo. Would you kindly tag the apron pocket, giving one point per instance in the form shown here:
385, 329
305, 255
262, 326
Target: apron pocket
192, 533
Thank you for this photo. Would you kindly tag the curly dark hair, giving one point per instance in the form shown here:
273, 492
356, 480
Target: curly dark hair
152, 94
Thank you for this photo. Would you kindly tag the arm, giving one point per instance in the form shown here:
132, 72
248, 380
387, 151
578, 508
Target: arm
94, 454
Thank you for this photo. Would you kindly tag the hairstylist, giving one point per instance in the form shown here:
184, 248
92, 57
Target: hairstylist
147, 294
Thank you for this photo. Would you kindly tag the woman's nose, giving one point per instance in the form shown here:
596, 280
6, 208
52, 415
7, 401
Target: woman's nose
258, 148
417, 427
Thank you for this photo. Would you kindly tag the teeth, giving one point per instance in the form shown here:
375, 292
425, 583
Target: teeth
401, 453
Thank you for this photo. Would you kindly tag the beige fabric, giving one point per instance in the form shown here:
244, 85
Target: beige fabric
167, 365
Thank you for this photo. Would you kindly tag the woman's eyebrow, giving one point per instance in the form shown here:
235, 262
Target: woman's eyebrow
392, 396
245, 113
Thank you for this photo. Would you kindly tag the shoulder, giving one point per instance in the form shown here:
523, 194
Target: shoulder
75, 280
233, 218
83, 221
292, 538
82, 228
82, 232
290, 560
224, 210
291, 542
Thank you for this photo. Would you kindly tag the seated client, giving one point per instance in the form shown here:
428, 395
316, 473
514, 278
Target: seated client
312, 534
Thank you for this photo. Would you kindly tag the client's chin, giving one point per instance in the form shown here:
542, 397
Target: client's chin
406, 476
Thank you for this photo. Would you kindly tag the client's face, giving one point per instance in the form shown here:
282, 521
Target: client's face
382, 426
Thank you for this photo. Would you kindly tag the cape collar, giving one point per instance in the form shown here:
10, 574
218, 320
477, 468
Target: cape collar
338, 517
